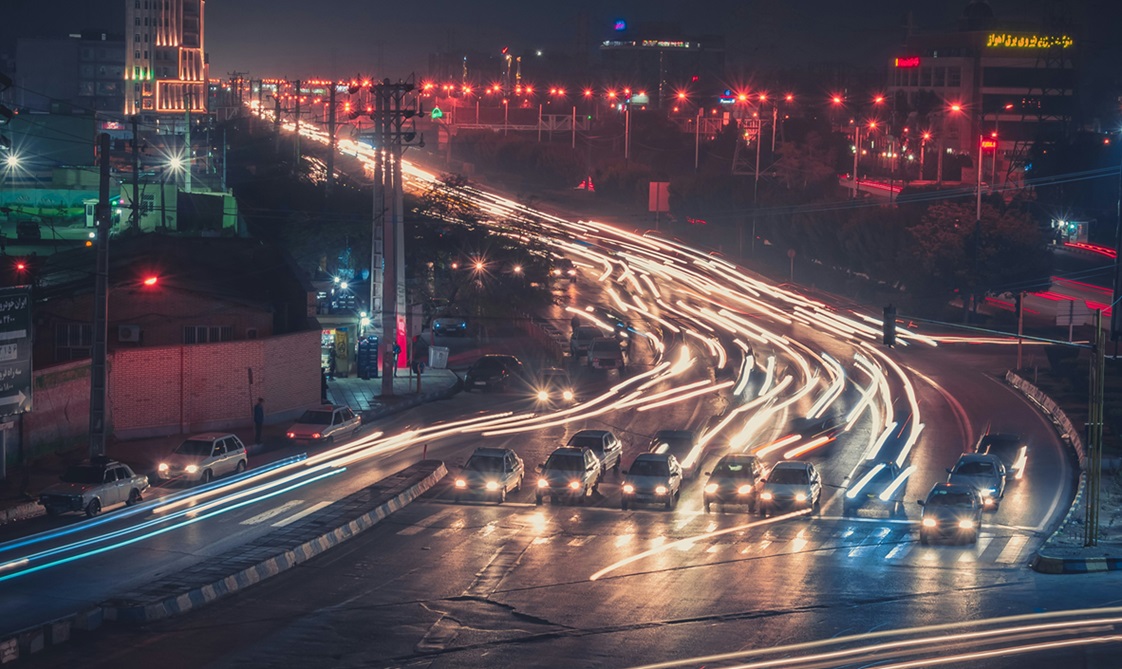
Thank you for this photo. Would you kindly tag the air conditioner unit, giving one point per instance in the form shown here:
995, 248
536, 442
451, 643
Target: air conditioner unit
128, 333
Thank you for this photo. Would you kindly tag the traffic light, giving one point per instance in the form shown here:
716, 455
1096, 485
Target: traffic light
890, 325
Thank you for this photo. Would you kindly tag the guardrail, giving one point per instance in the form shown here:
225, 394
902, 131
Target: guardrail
555, 342
1059, 419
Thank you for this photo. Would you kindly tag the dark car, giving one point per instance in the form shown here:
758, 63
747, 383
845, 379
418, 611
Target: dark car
448, 324
791, 484
985, 473
951, 511
570, 474
495, 373
605, 445
1011, 449
735, 479
875, 486
554, 387
679, 443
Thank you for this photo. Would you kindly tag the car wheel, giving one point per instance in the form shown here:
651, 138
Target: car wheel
615, 467
240, 468
134, 497
330, 441
456, 499
623, 504
206, 477
707, 503
538, 500
816, 508
669, 504
502, 495
93, 508
924, 539
518, 486
763, 511
53, 511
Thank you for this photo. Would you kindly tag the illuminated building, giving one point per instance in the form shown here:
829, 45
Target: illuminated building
165, 60
1012, 80
661, 60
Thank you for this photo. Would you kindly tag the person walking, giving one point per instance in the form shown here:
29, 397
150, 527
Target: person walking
258, 419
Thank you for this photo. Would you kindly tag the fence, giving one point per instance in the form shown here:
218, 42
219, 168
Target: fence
1059, 418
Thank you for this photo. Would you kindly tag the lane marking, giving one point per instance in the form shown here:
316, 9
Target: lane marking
297, 516
411, 530
900, 551
1012, 551
272, 513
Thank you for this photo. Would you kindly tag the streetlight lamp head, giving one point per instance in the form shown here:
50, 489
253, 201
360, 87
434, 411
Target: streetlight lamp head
789, 98
12, 160
344, 285
956, 107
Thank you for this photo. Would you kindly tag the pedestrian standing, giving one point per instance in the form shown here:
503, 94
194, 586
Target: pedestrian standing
258, 419
420, 356
323, 385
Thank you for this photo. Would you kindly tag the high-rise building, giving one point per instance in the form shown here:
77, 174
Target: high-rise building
165, 60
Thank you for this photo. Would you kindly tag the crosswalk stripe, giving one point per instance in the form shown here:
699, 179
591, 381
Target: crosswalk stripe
979, 548
580, 541
901, 550
272, 513
297, 516
1012, 551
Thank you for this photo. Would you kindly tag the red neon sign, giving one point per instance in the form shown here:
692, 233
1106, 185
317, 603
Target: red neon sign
989, 144
907, 62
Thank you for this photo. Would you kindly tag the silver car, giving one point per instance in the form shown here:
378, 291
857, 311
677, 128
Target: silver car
204, 457
325, 425
92, 487
984, 473
792, 484
490, 471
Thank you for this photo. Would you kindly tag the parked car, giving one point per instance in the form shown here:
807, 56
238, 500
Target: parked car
951, 511
581, 339
735, 479
569, 474
985, 473
325, 425
204, 457
495, 372
603, 443
93, 487
791, 484
449, 325
1011, 449
606, 353
875, 486
555, 387
652, 478
490, 471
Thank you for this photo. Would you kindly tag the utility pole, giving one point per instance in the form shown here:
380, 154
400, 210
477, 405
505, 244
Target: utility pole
187, 142
277, 121
296, 135
100, 306
327, 185
134, 220
1095, 434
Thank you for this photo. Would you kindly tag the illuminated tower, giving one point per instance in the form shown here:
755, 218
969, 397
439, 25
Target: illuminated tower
165, 61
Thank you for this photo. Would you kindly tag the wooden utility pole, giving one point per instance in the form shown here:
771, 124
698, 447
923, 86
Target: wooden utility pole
100, 306
1095, 434
134, 221
296, 135
329, 182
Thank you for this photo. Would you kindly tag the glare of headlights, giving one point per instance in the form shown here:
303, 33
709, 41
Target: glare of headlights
291, 435
543, 395
575, 485
989, 501
460, 483
929, 522
766, 496
492, 485
660, 490
191, 469
800, 497
744, 489
316, 435
711, 488
542, 483
628, 488
163, 467
567, 395
966, 524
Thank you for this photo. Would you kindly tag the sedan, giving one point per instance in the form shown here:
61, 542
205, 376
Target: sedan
325, 425
985, 473
875, 486
951, 511
736, 479
448, 325
555, 387
653, 478
1011, 449
570, 474
490, 471
494, 373
792, 484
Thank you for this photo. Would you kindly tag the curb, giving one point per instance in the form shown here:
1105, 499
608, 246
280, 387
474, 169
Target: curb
21, 512
1046, 564
38, 637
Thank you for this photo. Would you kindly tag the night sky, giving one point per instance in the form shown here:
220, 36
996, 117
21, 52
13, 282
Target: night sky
303, 38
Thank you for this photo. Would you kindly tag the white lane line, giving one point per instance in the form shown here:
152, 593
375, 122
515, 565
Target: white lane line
297, 516
901, 550
870, 542
272, 513
582, 540
411, 530
979, 548
1012, 551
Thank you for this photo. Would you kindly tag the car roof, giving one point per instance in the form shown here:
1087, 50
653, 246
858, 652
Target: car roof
658, 457
499, 356
490, 452
589, 433
790, 464
209, 436
569, 450
953, 488
977, 457
739, 457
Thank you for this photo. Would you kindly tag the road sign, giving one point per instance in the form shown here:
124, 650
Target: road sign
15, 350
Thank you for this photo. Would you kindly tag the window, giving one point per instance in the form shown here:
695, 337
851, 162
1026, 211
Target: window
137, 55
940, 77
251, 333
147, 204
925, 77
954, 77
138, 20
136, 37
73, 341
202, 334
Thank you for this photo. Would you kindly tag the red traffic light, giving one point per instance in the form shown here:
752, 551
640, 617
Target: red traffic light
151, 280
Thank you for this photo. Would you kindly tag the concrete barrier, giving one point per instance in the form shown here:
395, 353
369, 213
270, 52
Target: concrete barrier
1059, 419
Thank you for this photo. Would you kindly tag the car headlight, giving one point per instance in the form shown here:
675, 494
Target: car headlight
460, 483
628, 488
766, 496
574, 485
712, 488
316, 435
191, 469
492, 485
660, 490
800, 497
542, 483
567, 395
163, 467
966, 524
988, 501
543, 395
929, 522
989, 492
744, 489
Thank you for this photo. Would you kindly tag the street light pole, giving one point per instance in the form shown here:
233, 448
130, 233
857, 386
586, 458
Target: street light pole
856, 153
697, 141
627, 131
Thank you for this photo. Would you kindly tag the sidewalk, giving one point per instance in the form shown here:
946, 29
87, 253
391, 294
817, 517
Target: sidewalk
18, 493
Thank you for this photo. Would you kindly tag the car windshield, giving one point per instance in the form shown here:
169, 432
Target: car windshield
649, 468
316, 418
195, 448
555, 378
975, 469
945, 498
592, 441
83, 474
732, 469
881, 479
584, 333
565, 463
789, 476
488, 365
484, 463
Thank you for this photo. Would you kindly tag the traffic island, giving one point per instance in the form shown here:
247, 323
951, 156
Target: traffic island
1065, 553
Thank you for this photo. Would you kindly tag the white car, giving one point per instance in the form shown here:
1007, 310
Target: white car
326, 425
792, 484
94, 486
653, 478
204, 457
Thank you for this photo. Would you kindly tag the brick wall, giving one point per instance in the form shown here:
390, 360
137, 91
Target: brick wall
177, 389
